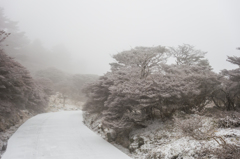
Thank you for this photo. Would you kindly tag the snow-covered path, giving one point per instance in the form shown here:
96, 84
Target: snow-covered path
60, 135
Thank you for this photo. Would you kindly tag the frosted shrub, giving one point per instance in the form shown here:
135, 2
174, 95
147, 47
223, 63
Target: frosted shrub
191, 127
231, 119
142, 87
198, 128
228, 151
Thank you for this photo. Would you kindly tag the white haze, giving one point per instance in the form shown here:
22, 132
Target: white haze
92, 30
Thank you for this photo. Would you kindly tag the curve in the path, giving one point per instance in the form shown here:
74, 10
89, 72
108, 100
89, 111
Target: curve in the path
60, 135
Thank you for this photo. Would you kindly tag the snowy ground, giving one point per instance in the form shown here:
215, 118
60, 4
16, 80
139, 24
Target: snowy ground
60, 135
166, 140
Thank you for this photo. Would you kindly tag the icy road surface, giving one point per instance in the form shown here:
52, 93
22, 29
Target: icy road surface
60, 135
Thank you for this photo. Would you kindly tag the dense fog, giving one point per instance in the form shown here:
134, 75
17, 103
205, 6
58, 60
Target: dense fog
80, 36
156, 79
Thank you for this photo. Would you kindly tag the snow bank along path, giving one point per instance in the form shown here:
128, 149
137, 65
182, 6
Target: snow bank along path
60, 135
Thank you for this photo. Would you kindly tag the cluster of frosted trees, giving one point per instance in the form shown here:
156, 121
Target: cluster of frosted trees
142, 86
18, 90
17, 87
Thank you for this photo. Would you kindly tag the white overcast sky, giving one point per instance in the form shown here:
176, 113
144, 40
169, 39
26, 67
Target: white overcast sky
92, 30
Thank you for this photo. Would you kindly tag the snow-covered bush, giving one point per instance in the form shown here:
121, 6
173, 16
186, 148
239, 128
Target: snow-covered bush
227, 151
197, 127
230, 120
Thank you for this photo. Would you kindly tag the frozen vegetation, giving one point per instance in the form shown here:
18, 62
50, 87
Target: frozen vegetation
145, 105
179, 137
159, 110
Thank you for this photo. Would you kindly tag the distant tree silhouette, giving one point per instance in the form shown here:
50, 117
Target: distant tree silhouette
16, 41
69, 85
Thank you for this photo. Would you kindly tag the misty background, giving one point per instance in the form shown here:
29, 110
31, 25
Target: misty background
79, 36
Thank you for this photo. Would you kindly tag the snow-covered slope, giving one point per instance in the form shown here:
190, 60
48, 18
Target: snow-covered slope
60, 135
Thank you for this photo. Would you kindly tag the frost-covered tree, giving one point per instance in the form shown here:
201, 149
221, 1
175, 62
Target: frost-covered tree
185, 87
18, 90
227, 96
135, 100
187, 55
147, 59
97, 94
142, 87
18, 86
